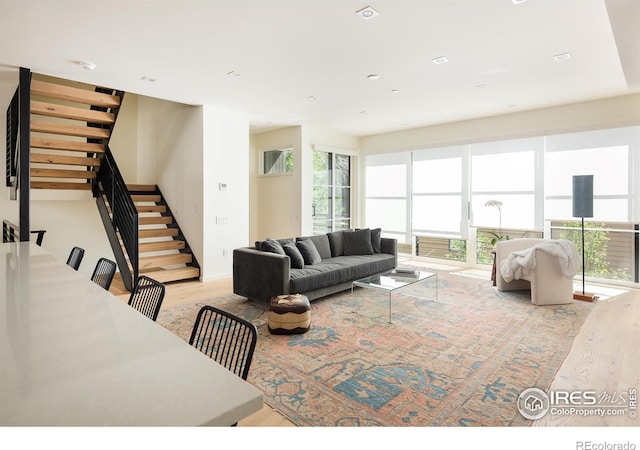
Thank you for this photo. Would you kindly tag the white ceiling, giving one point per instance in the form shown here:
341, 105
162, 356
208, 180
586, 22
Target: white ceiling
268, 57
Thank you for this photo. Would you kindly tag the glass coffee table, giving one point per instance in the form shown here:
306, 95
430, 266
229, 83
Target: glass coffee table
396, 279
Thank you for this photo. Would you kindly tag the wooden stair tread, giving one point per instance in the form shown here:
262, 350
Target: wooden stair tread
151, 208
46, 158
61, 144
71, 112
141, 187
157, 232
160, 220
160, 246
60, 185
60, 173
146, 198
68, 93
168, 275
165, 260
42, 126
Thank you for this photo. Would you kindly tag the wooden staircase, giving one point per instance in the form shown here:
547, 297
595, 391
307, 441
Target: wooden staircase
164, 253
70, 128
68, 125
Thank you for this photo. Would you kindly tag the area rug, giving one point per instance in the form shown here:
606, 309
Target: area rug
459, 360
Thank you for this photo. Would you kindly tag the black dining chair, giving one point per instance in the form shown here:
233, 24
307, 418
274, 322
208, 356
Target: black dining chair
227, 339
147, 297
75, 257
104, 272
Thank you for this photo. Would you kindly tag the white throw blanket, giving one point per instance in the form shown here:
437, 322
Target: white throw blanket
519, 265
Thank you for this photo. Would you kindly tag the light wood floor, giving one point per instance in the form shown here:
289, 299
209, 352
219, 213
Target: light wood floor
605, 355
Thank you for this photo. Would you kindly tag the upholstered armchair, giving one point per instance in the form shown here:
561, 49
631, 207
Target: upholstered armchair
544, 266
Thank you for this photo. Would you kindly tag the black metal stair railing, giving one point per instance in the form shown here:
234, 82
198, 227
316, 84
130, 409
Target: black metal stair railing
119, 216
18, 149
13, 126
11, 233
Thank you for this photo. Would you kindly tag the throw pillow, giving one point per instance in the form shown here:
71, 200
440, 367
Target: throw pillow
335, 242
376, 236
271, 245
357, 242
297, 261
321, 242
309, 252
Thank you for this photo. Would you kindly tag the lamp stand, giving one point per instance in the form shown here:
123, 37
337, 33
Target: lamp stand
585, 297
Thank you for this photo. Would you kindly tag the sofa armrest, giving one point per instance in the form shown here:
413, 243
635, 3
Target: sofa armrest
390, 246
260, 275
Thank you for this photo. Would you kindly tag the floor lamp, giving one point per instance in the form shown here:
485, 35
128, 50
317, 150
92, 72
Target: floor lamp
583, 207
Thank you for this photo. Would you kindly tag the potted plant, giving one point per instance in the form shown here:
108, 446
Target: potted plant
495, 237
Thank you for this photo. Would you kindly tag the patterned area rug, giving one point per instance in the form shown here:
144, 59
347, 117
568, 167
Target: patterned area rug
460, 360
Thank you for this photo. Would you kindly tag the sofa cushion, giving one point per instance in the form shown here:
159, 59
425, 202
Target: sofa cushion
339, 270
309, 252
273, 246
376, 237
357, 242
321, 242
297, 260
336, 244
281, 241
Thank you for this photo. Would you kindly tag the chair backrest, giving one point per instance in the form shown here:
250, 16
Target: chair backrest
228, 339
147, 297
104, 272
75, 257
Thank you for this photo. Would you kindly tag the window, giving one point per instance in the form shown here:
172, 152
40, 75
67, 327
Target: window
437, 198
386, 185
437, 188
504, 174
610, 166
611, 235
331, 192
277, 161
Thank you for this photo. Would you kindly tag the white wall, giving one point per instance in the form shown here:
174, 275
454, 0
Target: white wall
72, 223
225, 209
187, 151
281, 205
607, 113
170, 140
278, 197
124, 139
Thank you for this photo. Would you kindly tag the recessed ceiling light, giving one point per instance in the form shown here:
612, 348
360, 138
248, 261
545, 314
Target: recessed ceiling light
362, 112
147, 79
367, 13
373, 76
87, 65
517, 2
312, 97
562, 56
394, 91
481, 86
440, 60
233, 73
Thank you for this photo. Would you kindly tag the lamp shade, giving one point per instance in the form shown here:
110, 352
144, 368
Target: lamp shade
583, 196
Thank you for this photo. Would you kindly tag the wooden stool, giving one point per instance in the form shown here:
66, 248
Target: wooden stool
289, 314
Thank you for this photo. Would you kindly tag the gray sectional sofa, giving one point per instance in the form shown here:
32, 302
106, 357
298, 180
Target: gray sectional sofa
315, 266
